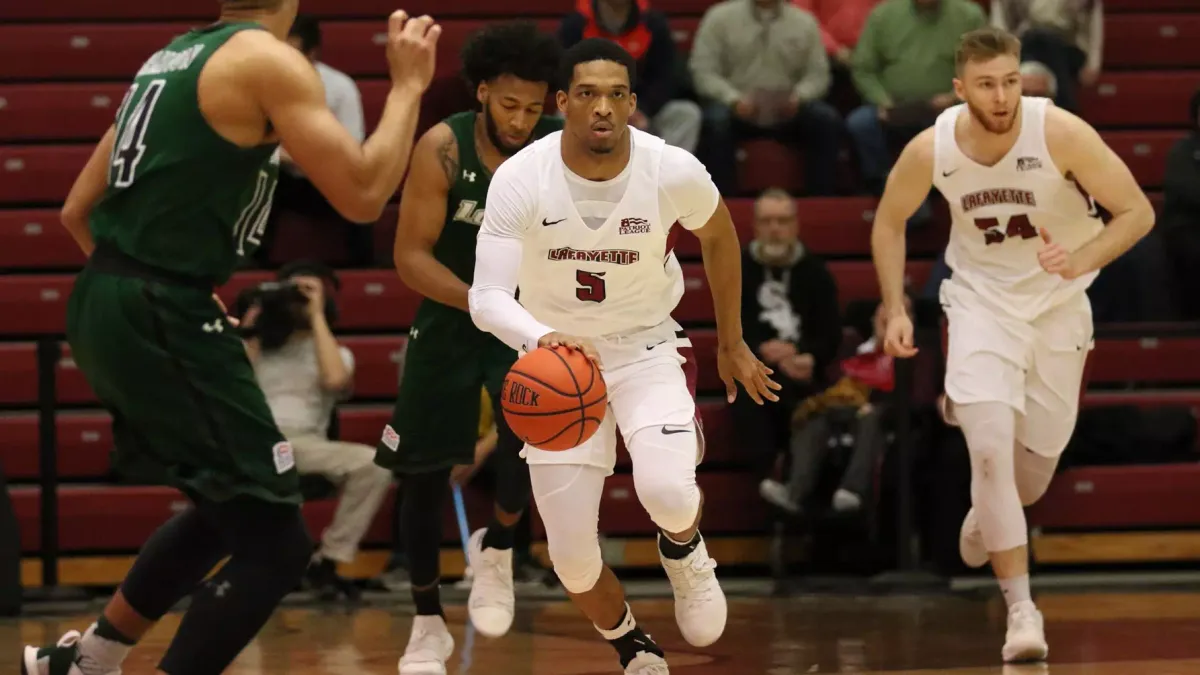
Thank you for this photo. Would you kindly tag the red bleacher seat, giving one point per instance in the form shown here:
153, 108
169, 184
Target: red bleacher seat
35, 304
148, 10
39, 174
84, 442
369, 299
1145, 360
18, 373
1151, 40
34, 239
1153, 99
62, 112
86, 513
376, 363
75, 51
1145, 152
355, 47
1114, 6
831, 227
300, 236
1162, 495
70, 382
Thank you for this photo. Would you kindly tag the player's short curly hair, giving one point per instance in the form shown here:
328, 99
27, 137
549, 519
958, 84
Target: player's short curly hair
514, 48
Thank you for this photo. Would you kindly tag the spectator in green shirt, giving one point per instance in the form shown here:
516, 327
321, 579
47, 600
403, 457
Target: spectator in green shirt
904, 69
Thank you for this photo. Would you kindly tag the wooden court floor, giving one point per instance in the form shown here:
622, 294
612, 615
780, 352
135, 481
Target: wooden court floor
1089, 633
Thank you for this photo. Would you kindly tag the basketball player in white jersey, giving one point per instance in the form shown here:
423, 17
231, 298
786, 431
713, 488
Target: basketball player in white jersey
581, 221
1025, 243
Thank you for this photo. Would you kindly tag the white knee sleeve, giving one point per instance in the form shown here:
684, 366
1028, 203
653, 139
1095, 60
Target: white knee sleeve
664, 474
1034, 473
568, 500
990, 429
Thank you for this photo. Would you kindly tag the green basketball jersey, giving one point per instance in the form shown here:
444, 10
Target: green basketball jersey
180, 197
465, 204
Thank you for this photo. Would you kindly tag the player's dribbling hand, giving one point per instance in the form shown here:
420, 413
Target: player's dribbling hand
898, 337
412, 49
1054, 258
572, 342
739, 364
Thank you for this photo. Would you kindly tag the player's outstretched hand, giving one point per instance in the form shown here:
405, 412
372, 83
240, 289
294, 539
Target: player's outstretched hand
737, 363
898, 337
412, 49
572, 342
1054, 258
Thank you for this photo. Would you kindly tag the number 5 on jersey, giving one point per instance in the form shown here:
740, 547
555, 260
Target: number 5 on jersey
130, 144
591, 286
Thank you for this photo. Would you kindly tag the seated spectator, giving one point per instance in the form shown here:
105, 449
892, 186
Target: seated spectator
761, 67
1067, 36
295, 192
304, 372
645, 34
841, 23
1038, 80
790, 318
1179, 223
857, 404
904, 70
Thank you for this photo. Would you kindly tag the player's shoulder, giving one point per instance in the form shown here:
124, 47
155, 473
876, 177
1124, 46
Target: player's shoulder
677, 165
440, 141
1066, 133
923, 147
261, 57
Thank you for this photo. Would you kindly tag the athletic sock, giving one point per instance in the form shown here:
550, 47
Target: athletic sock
498, 536
628, 639
1016, 590
103, 649
673, 550
429, 601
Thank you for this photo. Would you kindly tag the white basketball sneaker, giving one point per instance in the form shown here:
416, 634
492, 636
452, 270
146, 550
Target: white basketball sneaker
700, 608
646, 663
492, 596
970, 542
430, 645
1026, 638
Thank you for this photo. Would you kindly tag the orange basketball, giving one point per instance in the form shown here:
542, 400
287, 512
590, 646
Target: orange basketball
554, 398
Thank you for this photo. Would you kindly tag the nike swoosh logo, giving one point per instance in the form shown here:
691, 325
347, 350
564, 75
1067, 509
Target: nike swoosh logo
947, 174
546, 223
649, 347
667, 431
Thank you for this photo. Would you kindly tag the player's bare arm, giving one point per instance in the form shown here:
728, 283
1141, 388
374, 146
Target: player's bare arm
422, 217
86, 192
907, 186
357, 179
736, 362
1080, 152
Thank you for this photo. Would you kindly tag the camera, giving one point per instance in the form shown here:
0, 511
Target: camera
283, 305
281, 312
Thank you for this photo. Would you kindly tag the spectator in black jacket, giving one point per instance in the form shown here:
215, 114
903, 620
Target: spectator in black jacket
644, 33
790, 318
1180, 220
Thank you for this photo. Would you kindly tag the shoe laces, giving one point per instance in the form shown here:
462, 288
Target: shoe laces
494, 576
697, 576
423, 646
1023, 614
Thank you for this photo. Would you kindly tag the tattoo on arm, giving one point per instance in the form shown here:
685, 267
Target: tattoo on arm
448, 157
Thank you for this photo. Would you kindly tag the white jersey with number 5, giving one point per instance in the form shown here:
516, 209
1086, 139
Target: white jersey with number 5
596, 256
998, 210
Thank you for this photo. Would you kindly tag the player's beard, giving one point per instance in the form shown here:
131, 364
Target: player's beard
493, 133
990, 123
606, 146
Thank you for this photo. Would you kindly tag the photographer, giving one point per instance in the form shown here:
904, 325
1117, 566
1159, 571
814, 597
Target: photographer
304, 372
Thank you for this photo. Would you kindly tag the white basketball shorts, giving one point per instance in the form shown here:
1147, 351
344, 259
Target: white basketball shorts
651, 380
1037, 367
